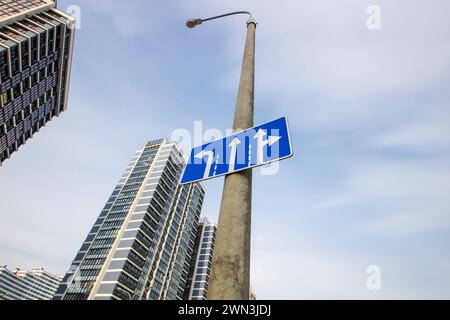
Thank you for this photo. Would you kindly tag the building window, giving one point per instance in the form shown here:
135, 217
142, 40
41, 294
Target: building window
6, 97
197, 293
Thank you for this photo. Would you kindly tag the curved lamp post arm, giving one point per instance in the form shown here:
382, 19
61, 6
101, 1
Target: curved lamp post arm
191, 23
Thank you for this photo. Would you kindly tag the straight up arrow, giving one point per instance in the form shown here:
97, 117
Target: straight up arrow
233, 152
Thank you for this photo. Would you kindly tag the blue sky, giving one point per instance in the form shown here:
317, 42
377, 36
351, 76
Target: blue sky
369, 112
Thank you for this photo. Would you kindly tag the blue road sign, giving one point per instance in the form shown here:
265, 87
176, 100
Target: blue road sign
246, 149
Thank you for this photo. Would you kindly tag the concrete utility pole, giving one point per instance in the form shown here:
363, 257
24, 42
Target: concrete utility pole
230, 272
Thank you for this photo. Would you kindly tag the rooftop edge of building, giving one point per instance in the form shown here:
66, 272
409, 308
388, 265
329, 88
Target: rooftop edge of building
33, 270
10, 11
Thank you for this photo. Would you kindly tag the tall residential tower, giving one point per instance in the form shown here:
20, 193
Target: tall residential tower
142, 243
197, 285
36, 45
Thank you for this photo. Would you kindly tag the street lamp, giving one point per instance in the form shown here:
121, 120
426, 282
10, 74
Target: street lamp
191, 23
230, 272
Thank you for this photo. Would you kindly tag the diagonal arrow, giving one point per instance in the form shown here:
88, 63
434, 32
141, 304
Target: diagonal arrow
209, 161
273, 139
261, 143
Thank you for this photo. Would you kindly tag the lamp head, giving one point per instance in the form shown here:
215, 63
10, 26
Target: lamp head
191, 23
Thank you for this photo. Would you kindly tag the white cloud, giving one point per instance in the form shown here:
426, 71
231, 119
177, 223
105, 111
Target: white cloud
317, 61
315, 272
426, 130
395, 197
294, 275
417, 137
411, 222
128, 18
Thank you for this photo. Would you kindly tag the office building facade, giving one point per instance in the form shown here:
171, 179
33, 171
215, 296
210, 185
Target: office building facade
36, 284
142, 243
197, 285
36, 45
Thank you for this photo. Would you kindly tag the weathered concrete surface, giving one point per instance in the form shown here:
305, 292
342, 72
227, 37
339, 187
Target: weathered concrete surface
230, 273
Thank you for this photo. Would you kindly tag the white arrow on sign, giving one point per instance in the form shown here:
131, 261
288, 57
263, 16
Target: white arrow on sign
262, 143
209, 161
233, 152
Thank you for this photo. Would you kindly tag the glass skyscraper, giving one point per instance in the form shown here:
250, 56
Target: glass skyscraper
36, 284
142, 243
36, 45
197, 285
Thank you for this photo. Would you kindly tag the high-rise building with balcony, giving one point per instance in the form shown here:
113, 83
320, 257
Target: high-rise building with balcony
36, 284
142, 243
36, 45
197, 284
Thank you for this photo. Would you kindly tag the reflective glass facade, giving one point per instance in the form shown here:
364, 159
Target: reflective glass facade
36, 45
142, 243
